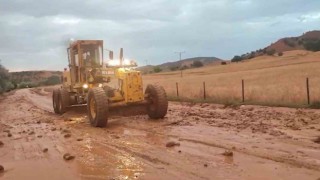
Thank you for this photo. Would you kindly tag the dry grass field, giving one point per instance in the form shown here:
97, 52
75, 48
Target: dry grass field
278, 81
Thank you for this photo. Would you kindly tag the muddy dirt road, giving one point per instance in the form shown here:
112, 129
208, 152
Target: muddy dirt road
205, 142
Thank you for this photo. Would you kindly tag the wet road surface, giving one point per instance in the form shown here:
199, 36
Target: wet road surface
209, 142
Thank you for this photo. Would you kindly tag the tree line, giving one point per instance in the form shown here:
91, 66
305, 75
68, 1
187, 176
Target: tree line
195, 64
8, 83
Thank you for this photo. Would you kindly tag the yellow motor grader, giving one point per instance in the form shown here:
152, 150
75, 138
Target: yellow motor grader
89, 81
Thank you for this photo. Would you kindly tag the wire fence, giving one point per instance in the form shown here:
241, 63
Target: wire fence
246, 92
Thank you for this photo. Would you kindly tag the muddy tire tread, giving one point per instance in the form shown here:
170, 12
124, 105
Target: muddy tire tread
162, 103
55, 101
102, 109
65, 98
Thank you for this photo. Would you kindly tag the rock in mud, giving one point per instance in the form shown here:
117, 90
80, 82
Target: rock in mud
317, 140
115, 136
38, 122
65, 131
9, 134
1, 143
205, 165
53, 129
79, 139
68, 157
172, 143
45, 150
30, 133
39, 136
67, 135
1, 169
6, 131
227, 153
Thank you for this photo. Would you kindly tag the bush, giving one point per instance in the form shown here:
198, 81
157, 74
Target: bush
280, 54
5, 83
251, 55
236, 59
157, 69
52, 80
288, 42
223, 63
174, 68
271, 52
312, 45
197, 64
184, 67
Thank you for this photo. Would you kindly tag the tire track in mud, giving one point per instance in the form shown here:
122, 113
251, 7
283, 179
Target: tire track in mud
264, 155
144, 151
275, 158
23, 154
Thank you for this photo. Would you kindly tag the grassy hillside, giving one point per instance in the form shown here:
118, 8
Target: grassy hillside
182, 64
272, 80
308, 41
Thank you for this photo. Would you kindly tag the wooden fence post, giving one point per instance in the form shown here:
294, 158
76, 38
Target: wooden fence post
242, 90
308, 92
204, 90
177, 89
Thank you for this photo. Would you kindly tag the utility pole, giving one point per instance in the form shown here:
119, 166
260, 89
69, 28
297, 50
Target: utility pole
180, 53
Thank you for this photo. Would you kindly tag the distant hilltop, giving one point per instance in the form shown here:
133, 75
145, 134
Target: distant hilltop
182, 64
309, 41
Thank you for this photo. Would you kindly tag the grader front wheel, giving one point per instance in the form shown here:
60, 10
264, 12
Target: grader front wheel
63, 100
55, 101
158, 103
97, 107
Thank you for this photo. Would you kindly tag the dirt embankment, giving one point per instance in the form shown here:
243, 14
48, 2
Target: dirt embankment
194, 141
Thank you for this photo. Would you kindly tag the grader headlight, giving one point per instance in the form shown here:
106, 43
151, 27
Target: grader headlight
124, 63
85, 86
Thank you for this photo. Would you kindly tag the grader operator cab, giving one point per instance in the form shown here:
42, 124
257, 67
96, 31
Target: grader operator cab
88, 81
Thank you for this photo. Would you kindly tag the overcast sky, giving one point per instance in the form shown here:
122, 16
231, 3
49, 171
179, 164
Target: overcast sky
35, 33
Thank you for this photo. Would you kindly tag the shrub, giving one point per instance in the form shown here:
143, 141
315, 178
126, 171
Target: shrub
223, 63
280, 54
174, 68
157, 69
184, 67
251, 55
53, 80
236, 59
271, 52
5, 83
312, 45
290, 43
197, 64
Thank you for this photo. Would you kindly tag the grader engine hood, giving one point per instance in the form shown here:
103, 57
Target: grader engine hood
131, 84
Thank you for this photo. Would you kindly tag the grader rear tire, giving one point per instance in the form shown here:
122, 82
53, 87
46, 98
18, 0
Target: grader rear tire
63, 100
97, 107
55, 102
158, 103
